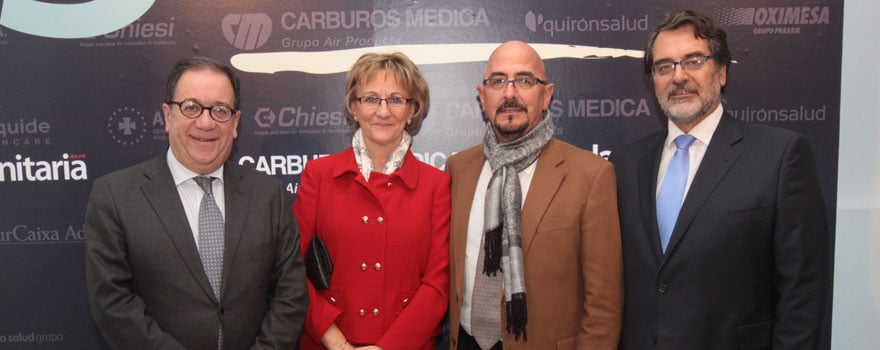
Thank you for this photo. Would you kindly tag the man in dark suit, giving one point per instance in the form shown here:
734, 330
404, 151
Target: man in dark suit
734, 255
170, 267
535, 242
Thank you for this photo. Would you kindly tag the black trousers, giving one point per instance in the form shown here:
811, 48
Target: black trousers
467, 342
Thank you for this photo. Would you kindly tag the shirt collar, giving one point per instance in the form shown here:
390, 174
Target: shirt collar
703, 131
180, 173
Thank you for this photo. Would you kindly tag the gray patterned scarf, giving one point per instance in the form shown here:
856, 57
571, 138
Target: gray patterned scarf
503, 241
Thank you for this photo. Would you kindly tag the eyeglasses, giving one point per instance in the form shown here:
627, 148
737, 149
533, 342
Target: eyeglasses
521, 83
690, 64
392, 102
192, 110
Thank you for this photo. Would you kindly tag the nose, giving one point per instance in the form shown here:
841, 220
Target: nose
678, 73
204, 121
509, 89
383, 110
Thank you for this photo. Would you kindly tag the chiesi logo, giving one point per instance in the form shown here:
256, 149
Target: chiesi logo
536, 22
247, 31
70, 21
36, 234
25, 169
126, 126
294, 119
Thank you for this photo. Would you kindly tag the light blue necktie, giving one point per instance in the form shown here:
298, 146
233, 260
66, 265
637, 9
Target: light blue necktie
672, 190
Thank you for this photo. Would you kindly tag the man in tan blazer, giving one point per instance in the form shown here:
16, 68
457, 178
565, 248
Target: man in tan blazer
535, 228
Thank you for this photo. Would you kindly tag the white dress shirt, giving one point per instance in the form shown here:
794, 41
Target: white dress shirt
475, 233
703, 132
190, 192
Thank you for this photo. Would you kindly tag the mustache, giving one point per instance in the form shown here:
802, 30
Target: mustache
510, 105
679, 88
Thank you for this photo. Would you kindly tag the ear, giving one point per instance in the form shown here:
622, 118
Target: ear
166, 112
235, 121
480, 91
548, 95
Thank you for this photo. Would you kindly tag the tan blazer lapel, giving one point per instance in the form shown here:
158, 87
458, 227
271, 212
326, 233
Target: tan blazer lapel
464, 184
545, 182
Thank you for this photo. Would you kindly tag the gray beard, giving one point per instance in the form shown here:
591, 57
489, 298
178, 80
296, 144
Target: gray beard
685, 114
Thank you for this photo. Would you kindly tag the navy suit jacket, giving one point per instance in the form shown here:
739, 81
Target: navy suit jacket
747, 266
147, 287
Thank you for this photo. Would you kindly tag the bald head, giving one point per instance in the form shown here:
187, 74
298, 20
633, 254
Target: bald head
512, 107
518, 53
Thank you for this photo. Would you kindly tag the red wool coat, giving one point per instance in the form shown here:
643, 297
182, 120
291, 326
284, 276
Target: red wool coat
389, 243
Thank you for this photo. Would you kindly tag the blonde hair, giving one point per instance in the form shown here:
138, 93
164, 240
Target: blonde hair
404, 72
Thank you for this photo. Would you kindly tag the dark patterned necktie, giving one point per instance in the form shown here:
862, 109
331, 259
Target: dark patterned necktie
211, 232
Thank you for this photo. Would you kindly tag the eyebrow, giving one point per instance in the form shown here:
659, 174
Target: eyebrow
517, 74
692, 54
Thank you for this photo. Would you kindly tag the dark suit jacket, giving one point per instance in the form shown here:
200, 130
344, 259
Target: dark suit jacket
571, 245
747, 264
146, 283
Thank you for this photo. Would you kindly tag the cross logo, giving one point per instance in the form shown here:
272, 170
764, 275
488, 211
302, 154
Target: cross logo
126, 125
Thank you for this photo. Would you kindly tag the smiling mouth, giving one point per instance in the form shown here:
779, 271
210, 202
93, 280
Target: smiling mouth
203, 139
681, 93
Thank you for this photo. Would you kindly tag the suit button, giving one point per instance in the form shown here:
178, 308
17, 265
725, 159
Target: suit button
378, 266
365, 219
662, 288
333, 300
380, 219
363, 266
375, 312
653, 338
223, 311
362, 312
405, 301
388, 184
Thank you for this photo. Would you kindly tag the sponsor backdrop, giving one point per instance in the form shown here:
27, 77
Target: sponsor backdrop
82, 86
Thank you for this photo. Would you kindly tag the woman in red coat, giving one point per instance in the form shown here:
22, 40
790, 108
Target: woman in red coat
384, 217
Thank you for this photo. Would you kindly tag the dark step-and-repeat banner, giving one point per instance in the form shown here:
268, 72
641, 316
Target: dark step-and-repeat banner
82, 84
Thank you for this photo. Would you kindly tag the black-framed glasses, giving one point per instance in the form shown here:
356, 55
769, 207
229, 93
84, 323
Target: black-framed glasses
521, 83
192, 110
690, 64
375, 101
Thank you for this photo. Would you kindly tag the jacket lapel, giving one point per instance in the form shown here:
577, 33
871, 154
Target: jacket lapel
464, 185
161, 192
649, 164
238, 198
545, 182
719, 158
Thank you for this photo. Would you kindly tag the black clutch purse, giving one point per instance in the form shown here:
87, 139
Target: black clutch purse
318, 264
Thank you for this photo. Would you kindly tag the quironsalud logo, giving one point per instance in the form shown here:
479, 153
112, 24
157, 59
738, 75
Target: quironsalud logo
533, 21
247, 31
126, 126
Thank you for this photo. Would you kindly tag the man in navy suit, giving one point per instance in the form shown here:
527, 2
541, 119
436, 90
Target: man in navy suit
160, 279
745, 262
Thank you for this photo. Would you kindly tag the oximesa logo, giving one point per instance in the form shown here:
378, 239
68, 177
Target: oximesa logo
247, 31
533, 21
